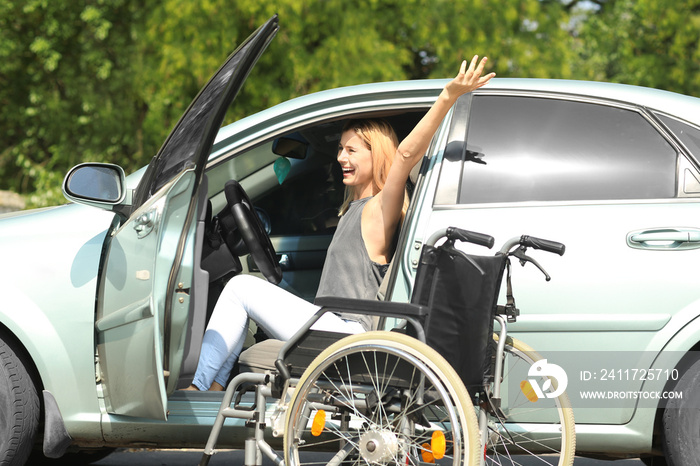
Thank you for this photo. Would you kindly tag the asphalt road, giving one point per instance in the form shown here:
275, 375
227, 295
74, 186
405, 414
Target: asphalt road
235, 458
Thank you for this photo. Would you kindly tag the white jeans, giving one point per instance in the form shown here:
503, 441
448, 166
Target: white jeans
279, 313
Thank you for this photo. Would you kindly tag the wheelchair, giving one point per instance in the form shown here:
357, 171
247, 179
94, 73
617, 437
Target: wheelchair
442, 387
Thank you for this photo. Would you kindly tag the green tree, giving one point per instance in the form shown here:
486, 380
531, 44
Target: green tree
332, 43
523, 38
67, 90
654, 43
106, 80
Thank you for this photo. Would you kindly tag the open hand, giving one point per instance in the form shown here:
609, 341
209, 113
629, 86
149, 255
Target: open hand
470, 78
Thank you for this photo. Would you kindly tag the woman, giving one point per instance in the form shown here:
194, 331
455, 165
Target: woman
375, 170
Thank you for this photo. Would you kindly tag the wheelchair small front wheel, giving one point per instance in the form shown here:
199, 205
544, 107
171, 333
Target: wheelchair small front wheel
381, 398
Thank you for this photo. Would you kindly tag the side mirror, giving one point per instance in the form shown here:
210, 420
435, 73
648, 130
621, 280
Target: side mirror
95, 184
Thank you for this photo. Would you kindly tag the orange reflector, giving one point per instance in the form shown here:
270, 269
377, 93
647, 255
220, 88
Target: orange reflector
438, 444
527, 390
427, 454
319, 423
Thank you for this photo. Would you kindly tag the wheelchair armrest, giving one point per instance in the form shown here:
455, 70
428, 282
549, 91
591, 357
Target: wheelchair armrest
373, 307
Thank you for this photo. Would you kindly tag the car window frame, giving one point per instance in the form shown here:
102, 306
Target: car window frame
252, 138
689, 162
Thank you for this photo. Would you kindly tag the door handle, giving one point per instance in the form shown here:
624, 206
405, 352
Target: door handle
665, 239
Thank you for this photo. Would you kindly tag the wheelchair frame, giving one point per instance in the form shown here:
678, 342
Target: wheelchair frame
377, 443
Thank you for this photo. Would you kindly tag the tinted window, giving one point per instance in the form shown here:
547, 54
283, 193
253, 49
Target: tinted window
688, 135
538, 149
190, 141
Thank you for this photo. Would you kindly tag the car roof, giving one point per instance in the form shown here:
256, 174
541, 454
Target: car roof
682, 106
364, 97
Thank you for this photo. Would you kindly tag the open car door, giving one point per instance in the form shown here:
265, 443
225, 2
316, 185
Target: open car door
144, 301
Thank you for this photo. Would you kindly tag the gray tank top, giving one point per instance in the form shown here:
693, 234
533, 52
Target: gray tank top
348, 271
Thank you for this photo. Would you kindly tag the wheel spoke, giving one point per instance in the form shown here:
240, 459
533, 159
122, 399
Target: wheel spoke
376, 396
542, 430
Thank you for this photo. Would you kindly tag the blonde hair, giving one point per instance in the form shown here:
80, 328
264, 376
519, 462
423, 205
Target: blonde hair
380, 138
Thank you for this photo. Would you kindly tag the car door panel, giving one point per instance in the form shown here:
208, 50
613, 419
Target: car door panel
143, 307
131, 315
532, 166
604, 297
306, 255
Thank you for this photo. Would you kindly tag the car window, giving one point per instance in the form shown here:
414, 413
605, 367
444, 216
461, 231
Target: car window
189, 143
305, 203
541, 149
240, 167
688, 135
308, 199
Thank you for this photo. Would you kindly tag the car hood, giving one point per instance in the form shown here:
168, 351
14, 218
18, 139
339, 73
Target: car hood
32, 222
56, 242
20, 213
45, 249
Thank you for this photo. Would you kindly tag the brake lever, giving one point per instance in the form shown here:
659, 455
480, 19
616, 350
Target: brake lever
520, 254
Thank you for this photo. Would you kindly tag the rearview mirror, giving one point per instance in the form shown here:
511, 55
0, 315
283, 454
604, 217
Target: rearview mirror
291, 147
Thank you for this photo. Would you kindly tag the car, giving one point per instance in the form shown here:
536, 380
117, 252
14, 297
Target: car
106, 298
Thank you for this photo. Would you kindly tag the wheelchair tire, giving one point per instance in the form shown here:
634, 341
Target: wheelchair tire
387, 399
543, 428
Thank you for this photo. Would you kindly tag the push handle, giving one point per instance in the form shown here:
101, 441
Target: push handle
543, 244
481, 239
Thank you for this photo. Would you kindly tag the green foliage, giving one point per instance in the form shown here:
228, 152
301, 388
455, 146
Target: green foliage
67, 91
106, 80
654, 43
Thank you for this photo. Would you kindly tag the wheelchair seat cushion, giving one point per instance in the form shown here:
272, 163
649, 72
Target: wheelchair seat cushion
260, 357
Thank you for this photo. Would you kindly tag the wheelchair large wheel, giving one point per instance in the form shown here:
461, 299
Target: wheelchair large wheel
533, 426
381, 398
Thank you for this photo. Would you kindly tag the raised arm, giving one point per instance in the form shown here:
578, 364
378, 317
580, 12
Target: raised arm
413, 147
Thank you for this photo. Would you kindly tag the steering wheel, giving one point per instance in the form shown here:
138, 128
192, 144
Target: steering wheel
251, 230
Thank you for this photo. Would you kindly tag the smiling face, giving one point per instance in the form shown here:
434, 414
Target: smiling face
355, 158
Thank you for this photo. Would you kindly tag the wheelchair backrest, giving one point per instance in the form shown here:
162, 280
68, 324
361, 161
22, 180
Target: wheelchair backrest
461, 292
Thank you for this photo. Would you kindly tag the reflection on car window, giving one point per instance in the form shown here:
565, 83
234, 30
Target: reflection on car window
537, 149
240, 167
688, 135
